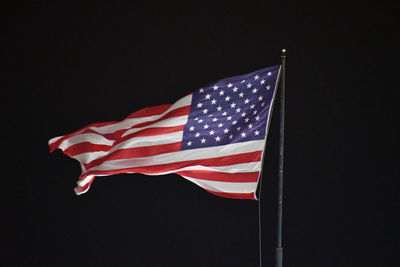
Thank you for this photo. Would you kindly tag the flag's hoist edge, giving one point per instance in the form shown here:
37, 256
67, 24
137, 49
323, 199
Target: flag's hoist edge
149, 141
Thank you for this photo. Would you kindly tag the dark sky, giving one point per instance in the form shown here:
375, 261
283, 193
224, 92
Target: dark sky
73, 64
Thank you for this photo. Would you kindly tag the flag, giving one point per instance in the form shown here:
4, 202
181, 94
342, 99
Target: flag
213, 137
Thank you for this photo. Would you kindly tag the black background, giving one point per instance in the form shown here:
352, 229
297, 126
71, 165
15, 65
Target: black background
73, 64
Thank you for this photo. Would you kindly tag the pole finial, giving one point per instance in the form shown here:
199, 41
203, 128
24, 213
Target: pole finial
283, 50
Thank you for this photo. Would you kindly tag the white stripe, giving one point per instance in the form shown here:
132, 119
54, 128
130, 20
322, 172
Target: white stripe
85, 137
192, 154
55, 139
89, 156
100, 140
225, 187
217, 186
235, 168
142, 141
241, 167
130, 122
170, 122
79, 192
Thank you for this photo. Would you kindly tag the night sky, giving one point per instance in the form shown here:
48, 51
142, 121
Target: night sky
73, 64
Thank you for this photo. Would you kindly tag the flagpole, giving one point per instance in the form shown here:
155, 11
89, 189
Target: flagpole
279, 248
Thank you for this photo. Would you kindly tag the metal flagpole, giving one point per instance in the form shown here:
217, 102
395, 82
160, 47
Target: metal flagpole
279, 248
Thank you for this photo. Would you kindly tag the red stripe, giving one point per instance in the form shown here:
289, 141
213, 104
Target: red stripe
117, 134
233, 195
220, 194
85, 147
173, 113
80, 189
128, 152
155, 169
136, 152
144, 132
151, 132
221, 176
55, 145
149, 111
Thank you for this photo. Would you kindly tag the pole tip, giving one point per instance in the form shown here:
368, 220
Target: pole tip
283, 50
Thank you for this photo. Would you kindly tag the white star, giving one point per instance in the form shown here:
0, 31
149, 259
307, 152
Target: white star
208, 96
217, 138
201, 121
199, 105
203, 140
268, 87
257, 132
257, 118
250, 126
246, 120
246, 101
238, 110
252, 106
254, 90
233, 105
215, 87
196, 119
260, 98
231, 136
229, 118
201, 90
206, 126
205, 111
197, 134
262, 104
241, 95
269, 73
227, 98
262, 81
219, 108
249, 85
256, 77
191, 128
243, 134
224, 113
220, 125
234, 122
226, 130
238, 128
221, 93
211, 132
235, 89
243, 81
213, 101
189, 143
230, 85
214, 120
243, 114
254, 112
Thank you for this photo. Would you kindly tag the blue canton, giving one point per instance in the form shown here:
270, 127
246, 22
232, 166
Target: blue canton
231, 110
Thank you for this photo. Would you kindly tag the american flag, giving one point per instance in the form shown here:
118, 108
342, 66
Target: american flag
214, 137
